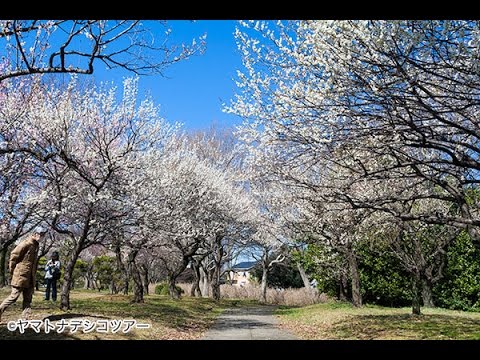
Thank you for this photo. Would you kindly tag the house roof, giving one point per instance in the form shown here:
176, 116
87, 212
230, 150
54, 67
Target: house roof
244, 266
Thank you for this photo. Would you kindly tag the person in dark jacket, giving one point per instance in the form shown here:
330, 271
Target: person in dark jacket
23, 266
52, 274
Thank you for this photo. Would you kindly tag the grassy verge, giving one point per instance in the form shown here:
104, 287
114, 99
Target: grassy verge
187, 318
342, 321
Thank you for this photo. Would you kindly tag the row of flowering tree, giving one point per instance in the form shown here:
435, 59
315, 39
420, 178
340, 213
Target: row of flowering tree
102, 168
372, 128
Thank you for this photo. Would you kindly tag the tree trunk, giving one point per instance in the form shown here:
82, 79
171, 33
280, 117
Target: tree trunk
218, 257
343, 284
427, 296
137, 278
215, 289
263, 289
172, 289
218, 254
303, 275
137, 285
416, 286
195, 290
216, 284
68, 279
204, 283
3, 267
123, 269
173, 275
146, 280
91, 278
126, 283
355, 275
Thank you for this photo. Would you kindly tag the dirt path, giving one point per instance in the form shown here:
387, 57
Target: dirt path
248, 323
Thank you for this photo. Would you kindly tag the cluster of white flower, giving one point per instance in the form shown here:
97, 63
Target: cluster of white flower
365, 123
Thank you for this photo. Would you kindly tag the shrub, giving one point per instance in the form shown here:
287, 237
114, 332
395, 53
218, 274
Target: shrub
384, 281
460, 287
107, 273
281, 275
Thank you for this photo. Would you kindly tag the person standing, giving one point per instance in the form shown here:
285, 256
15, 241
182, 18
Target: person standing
52, 274
23, 266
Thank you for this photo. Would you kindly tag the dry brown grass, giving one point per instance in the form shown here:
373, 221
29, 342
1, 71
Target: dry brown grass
287, 297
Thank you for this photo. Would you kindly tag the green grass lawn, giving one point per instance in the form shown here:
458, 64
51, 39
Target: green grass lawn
187, 318
342, 321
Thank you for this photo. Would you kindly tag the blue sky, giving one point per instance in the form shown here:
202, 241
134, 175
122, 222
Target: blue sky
193, 90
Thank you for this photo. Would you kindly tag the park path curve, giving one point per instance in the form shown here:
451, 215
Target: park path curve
248, 323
